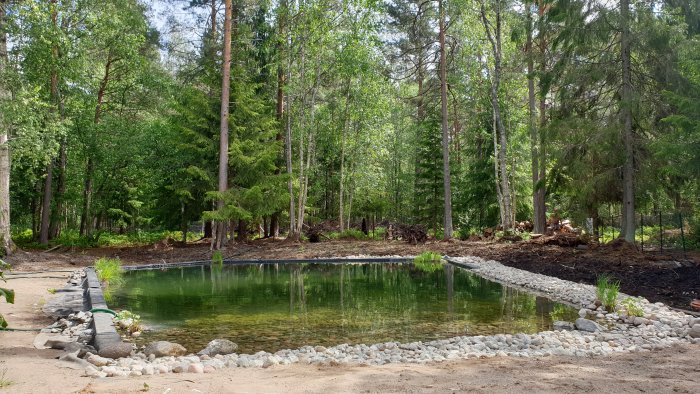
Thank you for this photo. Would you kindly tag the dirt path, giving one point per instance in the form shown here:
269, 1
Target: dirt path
36, 371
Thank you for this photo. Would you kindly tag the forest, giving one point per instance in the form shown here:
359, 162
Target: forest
243, 119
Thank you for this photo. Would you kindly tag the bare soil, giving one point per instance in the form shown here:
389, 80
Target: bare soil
671, 277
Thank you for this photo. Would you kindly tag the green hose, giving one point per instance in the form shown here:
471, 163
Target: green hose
103, 310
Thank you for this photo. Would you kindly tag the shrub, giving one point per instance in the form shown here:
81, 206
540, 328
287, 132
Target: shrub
109, 271
632, 306
607, 291
352, 234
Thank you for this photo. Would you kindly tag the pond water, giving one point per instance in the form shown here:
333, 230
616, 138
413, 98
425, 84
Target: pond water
279, 306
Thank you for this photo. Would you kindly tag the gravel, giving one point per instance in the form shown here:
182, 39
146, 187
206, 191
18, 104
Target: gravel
598, 333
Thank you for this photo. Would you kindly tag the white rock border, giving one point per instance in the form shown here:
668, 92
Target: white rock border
661, 327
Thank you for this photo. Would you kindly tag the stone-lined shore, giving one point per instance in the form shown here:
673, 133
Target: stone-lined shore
660, 327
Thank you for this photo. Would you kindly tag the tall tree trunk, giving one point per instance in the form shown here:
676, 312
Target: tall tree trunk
310, 150
494, 37
342, 154
539, 219
48, 182
212, 18
293, 235
420, 118
282, 11
59, 214
6, 244
445, 128
86, 218
628, 228
223, 139
46, 205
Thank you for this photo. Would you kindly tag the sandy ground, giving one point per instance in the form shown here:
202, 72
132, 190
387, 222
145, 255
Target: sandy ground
29, 370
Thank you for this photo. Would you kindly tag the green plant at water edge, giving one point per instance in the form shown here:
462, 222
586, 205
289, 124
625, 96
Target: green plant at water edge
217, 259
632, 306
128, 322
607, 291
429, 262
109, 271
562, 313
7, 293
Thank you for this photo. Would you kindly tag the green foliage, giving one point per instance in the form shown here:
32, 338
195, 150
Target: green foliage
563, 313
429, 261
128, 322
109, 271
8, 294
633, 306
71, 238
607, 291
217, 259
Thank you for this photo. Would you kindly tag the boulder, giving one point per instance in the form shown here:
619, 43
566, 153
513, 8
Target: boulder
195, 368
218, 346
695, 331
46, 340
588, 325
74, 362
165, 349
116, 350
98, 361
563, 325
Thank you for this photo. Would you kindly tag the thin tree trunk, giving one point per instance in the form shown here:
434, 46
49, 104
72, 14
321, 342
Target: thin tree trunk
85, 220
223, 133
342, 154
499, 192
445, 128
302, 130
59, 214
183, 223
6, 244
495, 40
304, 180
628, 228
46, 205
281, 81
537, 187
48, 182
212, 17
293, 235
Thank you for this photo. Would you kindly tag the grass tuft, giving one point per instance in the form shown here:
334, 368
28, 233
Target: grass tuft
607, 291
109, 271
429, 262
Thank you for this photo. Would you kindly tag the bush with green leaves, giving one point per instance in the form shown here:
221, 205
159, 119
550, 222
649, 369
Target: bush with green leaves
607, 291
7, 293
633, 306
109, 271
128, 321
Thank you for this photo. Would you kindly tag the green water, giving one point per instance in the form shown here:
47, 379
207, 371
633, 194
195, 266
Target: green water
278, 306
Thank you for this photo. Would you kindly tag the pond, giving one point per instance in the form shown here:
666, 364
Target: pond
285, 306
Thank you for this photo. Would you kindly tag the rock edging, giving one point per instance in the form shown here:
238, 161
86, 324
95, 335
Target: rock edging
660, 327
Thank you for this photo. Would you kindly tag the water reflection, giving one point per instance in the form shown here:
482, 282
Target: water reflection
273, 306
